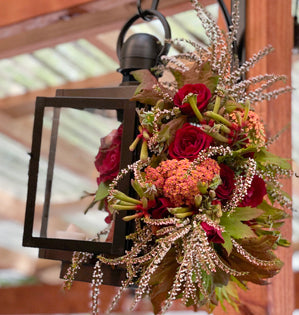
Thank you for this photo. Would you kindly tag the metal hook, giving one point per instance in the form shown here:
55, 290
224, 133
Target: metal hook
141, 12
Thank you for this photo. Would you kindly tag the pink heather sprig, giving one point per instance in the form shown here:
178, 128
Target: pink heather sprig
97, 280
259, 97
243, 183
247, 65
135, 167
204, 218
143, 283
78, 259
209, 152
179, 41
251, 258
239, 90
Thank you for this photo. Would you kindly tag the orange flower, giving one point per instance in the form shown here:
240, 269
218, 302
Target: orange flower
176, 181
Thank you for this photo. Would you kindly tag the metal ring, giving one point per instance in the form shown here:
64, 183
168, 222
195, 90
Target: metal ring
152, 13
142, 13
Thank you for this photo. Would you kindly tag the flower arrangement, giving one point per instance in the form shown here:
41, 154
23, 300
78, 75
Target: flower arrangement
208, 203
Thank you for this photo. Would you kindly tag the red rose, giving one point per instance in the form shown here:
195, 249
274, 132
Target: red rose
188, 142
224, 191
255, 193
203, 97
108, 158
213, 234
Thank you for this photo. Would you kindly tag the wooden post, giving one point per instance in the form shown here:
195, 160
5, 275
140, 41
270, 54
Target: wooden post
270, 22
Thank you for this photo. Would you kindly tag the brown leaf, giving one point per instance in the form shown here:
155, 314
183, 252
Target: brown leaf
261, 248
162, 280
145, 93
195, 74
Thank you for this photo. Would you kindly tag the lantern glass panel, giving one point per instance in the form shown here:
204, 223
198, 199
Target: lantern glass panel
80, 134
63, 178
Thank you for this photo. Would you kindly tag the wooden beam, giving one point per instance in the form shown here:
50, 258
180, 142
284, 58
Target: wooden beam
74, 28
14, 11
22, 105
49, 31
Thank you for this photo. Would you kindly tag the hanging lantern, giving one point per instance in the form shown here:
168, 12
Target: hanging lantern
106, 112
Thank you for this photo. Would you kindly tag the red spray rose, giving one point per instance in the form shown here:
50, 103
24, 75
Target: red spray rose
108, 158
203, 97
255, 193
213, 234
224, 191
160, 210
188, 142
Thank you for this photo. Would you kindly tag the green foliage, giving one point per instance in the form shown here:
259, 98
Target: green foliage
232, 222
102, 192
265, 158
229, 294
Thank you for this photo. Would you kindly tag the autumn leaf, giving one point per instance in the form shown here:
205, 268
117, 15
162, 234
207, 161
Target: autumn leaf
145, 92
204, 75
162, 280
259, 247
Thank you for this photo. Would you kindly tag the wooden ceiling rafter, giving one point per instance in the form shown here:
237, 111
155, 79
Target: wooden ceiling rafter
101, 45
21, 105
24, 40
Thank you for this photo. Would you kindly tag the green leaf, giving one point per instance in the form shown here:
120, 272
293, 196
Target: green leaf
228, 245
270, 212
102, 192
233, 225
245, 213
265, 158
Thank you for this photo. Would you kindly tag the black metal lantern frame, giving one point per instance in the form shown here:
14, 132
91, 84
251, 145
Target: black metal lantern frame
104, 100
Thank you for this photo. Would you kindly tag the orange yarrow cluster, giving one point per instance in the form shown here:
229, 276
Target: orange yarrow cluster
178, 180
253, 127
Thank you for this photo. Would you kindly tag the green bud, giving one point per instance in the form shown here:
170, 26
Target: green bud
198, 200
202, 187
217, 104
144, 151
212, 193
218, 118
137, 187
178, 210
183, 215
131, 217
119, 207
121, 196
